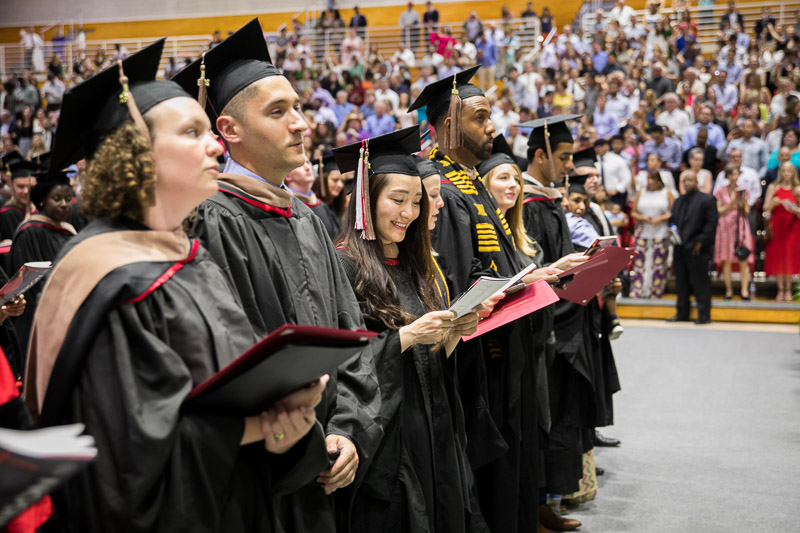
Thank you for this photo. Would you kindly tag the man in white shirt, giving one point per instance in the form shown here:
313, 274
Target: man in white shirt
778, 105
615, 173
754, 150
566, 37
617, 104
748, 178
409, 22
622, 14
385, 94
426, 77
674, 119
53, 91
505, 116
727, 93
467, 49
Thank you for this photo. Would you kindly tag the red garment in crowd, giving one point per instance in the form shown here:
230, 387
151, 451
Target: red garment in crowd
442, 41
726, 232
783, 252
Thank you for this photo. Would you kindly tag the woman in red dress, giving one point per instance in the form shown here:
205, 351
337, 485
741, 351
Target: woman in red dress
781, 207
733, 210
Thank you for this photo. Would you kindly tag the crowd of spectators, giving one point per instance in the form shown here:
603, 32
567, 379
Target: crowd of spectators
653, 105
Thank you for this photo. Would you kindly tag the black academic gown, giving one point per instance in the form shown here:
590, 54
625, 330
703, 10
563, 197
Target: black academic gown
11, 216
569, 368
328, 217
497, 370
278, 257
606, 378
76, 218
419, 480
138, 344
35, 240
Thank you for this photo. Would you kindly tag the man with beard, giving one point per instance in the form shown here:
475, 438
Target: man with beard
496, 371
276, 252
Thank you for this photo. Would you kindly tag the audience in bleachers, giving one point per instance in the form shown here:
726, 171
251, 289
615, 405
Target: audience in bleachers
643, 84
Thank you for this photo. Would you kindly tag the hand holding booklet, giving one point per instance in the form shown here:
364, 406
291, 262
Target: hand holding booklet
284, 361
484, 288
584, 281
26, 277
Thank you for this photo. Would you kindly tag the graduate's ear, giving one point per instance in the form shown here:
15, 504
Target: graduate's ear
229, 129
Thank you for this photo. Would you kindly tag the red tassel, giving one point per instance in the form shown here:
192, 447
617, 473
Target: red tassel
369, 230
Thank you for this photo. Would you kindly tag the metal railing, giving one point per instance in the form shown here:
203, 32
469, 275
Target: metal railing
324, 44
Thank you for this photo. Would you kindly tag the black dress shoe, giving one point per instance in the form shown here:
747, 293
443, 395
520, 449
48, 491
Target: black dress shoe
677, 318
600, 440
701, 321
599, 470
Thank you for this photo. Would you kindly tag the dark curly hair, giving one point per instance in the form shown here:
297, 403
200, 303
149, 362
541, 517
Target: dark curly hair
121, 177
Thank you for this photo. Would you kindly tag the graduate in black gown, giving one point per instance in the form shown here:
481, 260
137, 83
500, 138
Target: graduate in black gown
332, 187
496, 374
299, 181
276, 253
419, 480
41, 237
550, 149
135, 314
13, 212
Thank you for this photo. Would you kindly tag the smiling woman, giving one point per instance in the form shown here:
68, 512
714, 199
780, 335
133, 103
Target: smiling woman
421, 463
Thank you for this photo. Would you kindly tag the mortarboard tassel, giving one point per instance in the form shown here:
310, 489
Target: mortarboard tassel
323, 186
203, 83
369, 229
126, 97
454, 112
550, 154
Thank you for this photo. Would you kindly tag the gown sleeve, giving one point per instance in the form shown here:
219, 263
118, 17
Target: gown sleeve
159, 468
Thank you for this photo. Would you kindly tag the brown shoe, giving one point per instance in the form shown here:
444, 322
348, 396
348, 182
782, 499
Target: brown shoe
551, 520
542, 529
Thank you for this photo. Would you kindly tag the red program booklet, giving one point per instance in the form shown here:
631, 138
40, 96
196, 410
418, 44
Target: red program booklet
284, 361
590, 277
26, 277
532, 298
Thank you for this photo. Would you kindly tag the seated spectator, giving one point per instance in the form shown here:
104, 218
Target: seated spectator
716, 136
667, 148
352, 129
380, 123
727, 93
785, 89
782, 255
402, 115
652, 210
733, 231
658, 82
791, 139
703, 177
754, 150
675, 120
503, 117
606, 122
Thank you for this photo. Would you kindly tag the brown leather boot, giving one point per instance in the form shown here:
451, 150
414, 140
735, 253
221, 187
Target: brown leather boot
551, 520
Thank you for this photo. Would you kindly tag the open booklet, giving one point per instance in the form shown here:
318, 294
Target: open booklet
485, 287
33, 463
26, 277
286, 360
533, 297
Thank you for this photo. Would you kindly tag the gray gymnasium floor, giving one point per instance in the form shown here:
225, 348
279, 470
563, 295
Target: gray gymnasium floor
709, 419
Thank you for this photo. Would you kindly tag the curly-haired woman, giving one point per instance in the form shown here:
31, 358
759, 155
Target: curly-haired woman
135, 314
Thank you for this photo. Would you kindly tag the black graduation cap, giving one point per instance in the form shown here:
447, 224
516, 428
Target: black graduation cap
94, 108
391, 153
45, 184
555, 127
322, 167
501, 155
584, 158
9, 158
21, 168
426, 167
227, 69
388, 154
444, 97
576, 188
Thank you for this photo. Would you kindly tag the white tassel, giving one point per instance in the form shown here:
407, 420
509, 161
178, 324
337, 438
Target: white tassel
359, 192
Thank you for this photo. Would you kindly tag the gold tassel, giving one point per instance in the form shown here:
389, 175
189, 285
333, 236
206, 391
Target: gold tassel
323, 186
454, 112
369, 230
127, 98
550, 155
203, 83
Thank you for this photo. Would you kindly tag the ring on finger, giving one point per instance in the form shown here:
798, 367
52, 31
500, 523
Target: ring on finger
278, 436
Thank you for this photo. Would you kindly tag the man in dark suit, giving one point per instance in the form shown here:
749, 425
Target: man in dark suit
431, 17
762, 23
358, 21
731, 17
695, 215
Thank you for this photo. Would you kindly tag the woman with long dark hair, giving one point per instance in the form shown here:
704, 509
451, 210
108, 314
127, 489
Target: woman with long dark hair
419, 478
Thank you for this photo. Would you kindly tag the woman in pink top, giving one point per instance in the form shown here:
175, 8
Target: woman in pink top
444, 42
